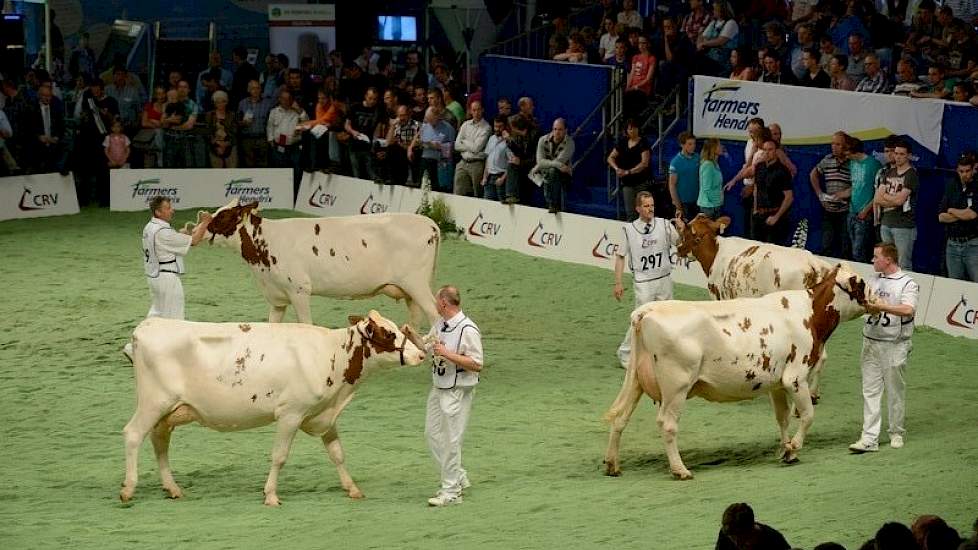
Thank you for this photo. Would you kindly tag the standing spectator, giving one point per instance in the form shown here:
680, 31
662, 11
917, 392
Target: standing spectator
457, 360
222, 128
362, 125
400, 156
48, 153
630, 161
269, 77
863, 170
451, 94
212, 84
897, 197
805, 41
675, 54
471, 144
7, 163
684, 174
149, 139
282, 135
753, 152
696, 20
419, 104
526, 107
435, 140
710, 198
252, 119
413, 74
875, 81
244, 72
504, 107
522, 156
776, 44
886, 346
740, 64
773, 196
776, 135
368, 59
739, 531
834, 168
116, 146
98, 112
129, 96
606, 44
717, 39
315, 142
959, 214
619, 57
629, 16
647, 243
554, 168
82, 62
180, 145
937, 87
640, 79
17, 108
223, 76
497, 161
436, 100
814, 76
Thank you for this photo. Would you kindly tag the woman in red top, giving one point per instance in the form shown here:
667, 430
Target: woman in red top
640, 79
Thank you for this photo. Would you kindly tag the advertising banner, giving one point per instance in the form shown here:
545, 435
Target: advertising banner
809, 116
37, 196
326, 195
131, 190
953, 308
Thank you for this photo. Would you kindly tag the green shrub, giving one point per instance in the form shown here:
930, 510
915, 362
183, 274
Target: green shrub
439, 211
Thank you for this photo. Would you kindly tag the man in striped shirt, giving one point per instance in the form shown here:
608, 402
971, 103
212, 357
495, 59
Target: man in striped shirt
399, 138
875, 81
834, 168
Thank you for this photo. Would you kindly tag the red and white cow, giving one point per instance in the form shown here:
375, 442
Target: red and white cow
729, 350
342, 257
231, 376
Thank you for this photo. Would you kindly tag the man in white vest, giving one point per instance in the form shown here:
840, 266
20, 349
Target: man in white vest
648, 241
163, 252
456, 363
886, 346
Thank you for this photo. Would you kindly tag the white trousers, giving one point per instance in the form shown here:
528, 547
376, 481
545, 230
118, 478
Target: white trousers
883, 364
649, 291
167, 294
448, 414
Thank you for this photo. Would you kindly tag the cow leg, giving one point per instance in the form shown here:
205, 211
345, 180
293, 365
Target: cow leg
802, 399
673, 400
779, 400
160, 437
331, 440
284, 435
141, 423
422, 300
276, 313
619, 415
300, 302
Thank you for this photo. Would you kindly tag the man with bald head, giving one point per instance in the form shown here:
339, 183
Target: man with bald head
400, 136
554, 168
471, 143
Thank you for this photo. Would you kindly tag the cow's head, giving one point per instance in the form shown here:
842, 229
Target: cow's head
851, 293
699, 238
225, 226
375, 341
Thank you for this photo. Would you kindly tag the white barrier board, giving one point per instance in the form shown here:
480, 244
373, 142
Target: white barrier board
37, 195
131, 190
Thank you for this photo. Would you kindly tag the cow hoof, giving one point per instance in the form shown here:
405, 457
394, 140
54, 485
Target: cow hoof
684, 475
611, 469
356, 494
173, 492
125, 495
272, 500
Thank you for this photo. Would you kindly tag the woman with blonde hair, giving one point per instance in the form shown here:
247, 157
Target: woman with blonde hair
710, 199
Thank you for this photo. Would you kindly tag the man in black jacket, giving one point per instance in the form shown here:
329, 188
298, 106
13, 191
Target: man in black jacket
47, 133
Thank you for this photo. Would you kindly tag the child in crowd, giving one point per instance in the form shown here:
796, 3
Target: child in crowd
116, 146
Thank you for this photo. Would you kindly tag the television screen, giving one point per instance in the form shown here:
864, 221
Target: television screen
397, 28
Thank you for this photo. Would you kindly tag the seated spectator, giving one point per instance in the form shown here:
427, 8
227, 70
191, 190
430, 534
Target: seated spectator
629, 16
937, 87
906, 78
959, 215
895, 535
47, 125
739, 531
828, 51
553, 169
116, 146
775, 42
590, 44
814, 76
401, 157
640, 79
436, 140
773, 74
740, 64
717, 39
857, 58
497, 162
282, 136
222, 128
962, 51
837, 71
362, 126
252, 123
619, 58
606, 44
924, 29
829, 546
710, 198
805, 40
933, 533
964, 91
575, 52
875, 81
675, 53
630, 161
471, 144
557, 44
684, 185
696, 20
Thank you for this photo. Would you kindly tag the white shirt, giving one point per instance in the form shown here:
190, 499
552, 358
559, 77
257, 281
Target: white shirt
169, 247
648, 247
460, 335
607, 43
46, 118
895, 289
472, 138
282, 121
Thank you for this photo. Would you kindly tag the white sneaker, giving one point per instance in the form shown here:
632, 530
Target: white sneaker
442, 499
896, 441
863, 446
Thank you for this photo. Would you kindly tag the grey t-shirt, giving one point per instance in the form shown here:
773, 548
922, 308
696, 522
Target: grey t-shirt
894, 182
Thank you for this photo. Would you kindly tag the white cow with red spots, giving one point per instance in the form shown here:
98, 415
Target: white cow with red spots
231, 376
729, 350
342, 257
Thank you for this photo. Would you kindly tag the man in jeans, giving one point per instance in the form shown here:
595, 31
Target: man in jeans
253, 114
959, 214
862, 169
834, 198
554, 167
897, 198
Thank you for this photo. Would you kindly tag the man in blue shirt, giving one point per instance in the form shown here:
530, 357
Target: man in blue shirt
684, 177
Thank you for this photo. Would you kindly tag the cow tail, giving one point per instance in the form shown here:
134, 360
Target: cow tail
630, 382
434, 266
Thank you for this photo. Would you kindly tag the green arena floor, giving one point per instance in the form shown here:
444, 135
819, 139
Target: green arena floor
72, 289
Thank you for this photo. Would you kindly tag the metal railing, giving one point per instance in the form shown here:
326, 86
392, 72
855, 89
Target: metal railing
535, 42
666, 116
